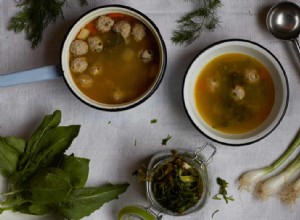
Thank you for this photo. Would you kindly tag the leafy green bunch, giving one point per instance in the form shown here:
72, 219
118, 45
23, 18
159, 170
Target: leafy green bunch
191, 25
42, 179
35, 16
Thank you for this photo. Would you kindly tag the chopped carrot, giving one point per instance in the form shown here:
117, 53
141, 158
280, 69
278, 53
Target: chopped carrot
116, 15
120, 16
91, 27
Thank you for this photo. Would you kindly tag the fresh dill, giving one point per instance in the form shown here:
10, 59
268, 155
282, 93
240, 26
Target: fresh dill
223, 191
35, 16
191, 25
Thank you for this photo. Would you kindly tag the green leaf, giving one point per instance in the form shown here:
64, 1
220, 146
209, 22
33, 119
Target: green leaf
49, 122
49, 186
10, 150
77, 169
83, 202
33, 209
50, 149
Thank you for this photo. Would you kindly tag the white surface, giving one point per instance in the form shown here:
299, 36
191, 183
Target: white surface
111, 147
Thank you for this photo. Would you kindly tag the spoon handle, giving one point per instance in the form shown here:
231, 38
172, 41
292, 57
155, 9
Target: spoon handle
29, 76
296, 46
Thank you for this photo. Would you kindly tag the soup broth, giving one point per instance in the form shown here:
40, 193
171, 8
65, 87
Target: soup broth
121, 62
234, 93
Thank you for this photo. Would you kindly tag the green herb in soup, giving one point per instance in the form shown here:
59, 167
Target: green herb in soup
234, 93
114, 59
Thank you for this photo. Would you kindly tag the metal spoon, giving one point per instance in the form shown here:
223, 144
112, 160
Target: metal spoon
283, 21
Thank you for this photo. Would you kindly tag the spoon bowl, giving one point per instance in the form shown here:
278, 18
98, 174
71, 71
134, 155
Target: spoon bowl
283, 21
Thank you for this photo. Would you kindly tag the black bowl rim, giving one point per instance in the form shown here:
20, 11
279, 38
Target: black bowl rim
164, 58
286, 82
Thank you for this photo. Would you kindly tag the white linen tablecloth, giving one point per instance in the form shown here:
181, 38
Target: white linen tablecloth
111, 146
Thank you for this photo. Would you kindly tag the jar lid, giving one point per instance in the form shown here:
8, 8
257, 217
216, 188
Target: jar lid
135, 212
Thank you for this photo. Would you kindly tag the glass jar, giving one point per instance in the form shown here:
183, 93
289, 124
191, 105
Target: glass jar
198, 159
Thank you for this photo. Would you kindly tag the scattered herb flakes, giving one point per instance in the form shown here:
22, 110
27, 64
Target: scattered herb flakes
222, 191
153, 121
165, 140
214, 213
109, 122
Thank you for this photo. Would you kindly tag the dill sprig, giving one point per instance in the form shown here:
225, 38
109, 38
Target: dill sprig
191, 25
35, 16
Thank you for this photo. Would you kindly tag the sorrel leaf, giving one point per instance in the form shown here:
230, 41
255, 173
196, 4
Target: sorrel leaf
83, 202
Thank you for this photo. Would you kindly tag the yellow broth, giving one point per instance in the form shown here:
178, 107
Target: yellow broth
123, 73
234, 93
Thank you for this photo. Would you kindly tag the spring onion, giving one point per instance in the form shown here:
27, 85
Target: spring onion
249, 179
275, 183
290, 192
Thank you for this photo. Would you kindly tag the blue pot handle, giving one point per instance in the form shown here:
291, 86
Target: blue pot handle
29, 76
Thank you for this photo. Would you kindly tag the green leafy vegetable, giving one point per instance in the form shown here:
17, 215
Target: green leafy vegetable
49, 122
82, 202
223, 191
43, 179
77, 169
10, 150
165, 140
49, 186
53, 144
35, 16
191, 25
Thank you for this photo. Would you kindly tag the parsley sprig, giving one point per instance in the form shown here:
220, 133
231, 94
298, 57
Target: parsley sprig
223, 191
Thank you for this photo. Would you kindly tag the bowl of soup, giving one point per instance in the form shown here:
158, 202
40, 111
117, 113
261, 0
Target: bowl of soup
113, 58
235, 92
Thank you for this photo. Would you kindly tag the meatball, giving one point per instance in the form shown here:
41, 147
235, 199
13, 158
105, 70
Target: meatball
123, 27
138, 32
104, 23
238, 93
95, 43
79, 47
79, 65
85, 81
96, 69
213, 84
118, 95
251, 75
146, 55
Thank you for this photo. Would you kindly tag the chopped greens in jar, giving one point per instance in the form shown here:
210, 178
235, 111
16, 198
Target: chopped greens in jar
176, 184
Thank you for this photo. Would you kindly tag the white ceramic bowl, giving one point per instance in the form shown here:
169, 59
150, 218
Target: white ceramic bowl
268, 60
88, 17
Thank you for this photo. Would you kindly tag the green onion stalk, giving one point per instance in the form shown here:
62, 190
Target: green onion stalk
250, 179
